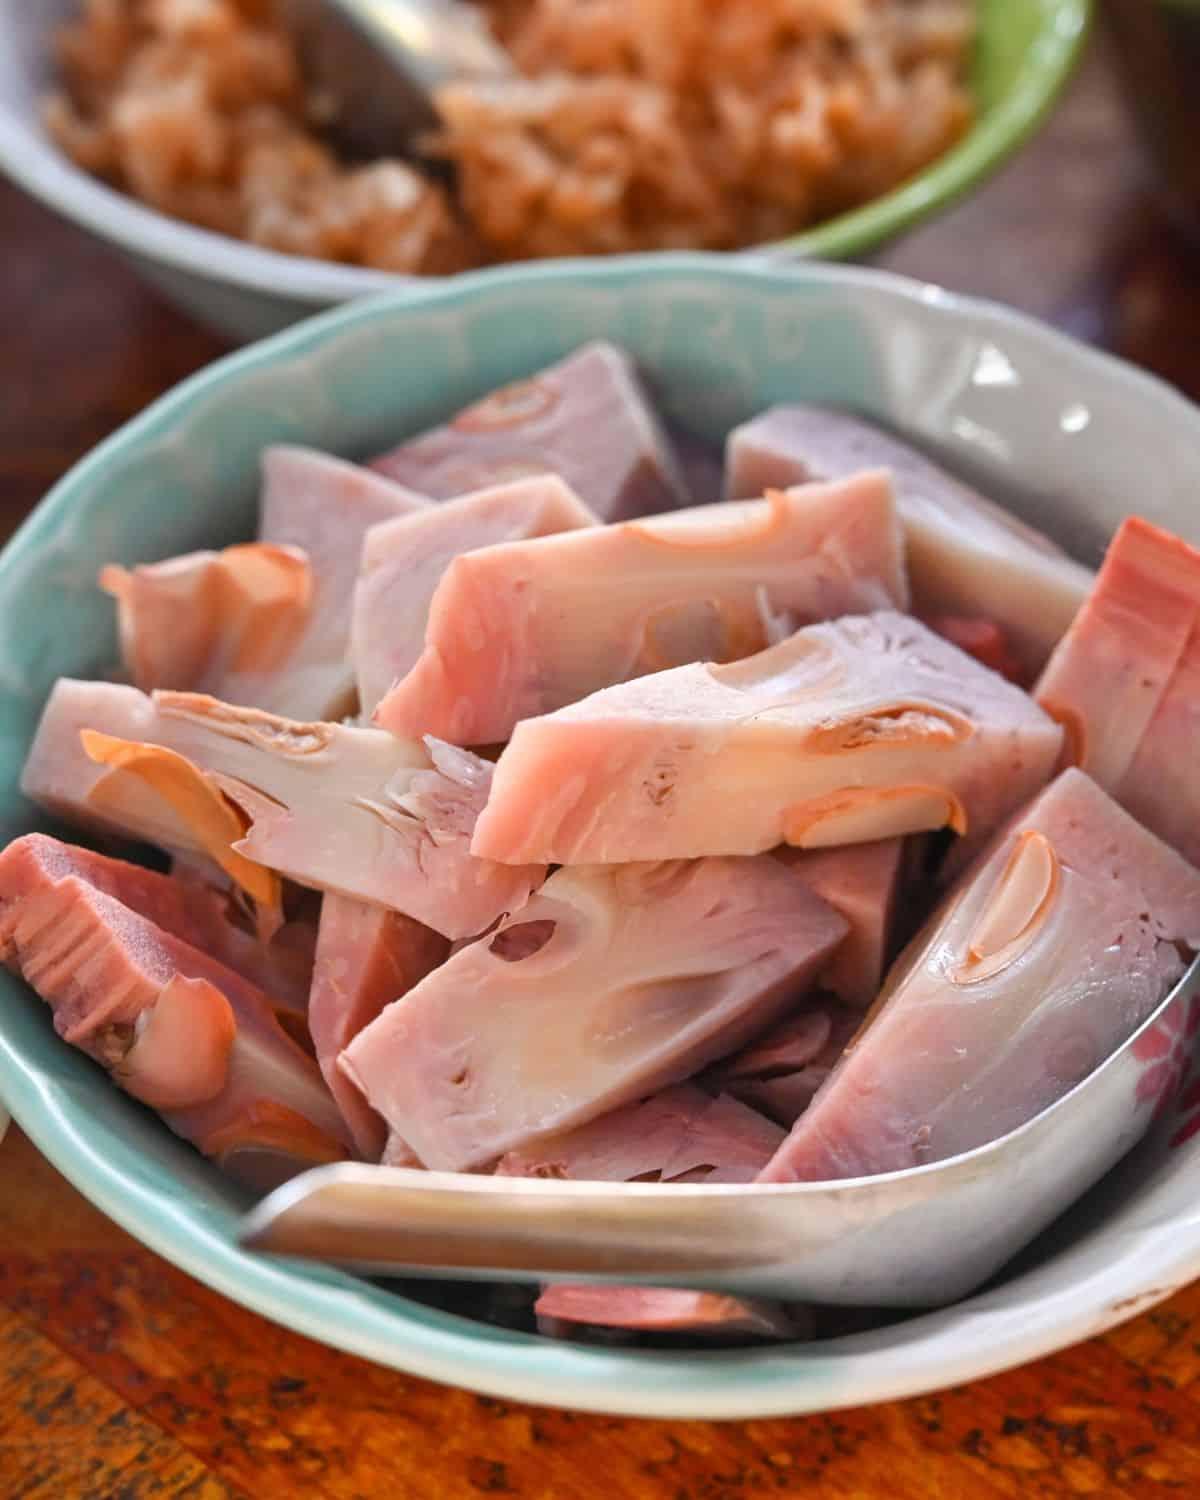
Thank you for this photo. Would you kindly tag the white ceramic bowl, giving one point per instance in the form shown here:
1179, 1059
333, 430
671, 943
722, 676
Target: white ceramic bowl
1073, 438
1025, 51
237, 288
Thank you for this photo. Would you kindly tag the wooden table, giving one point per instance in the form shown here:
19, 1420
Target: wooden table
122, 1377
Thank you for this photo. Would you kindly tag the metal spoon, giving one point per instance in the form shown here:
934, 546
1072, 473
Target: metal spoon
378, 63
917, 1238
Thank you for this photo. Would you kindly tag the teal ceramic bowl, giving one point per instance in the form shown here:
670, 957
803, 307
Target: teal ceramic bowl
1070, 437
1024, 53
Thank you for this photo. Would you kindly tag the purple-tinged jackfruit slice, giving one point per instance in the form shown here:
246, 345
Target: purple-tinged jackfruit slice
526, 628
212, 622
403, 562
397, 1153
172, 1025
862, 729
278, 957
679, 1132
966, 555
1125, 682
1047, 956
323, 506
331, 806
318, 503
610, 985
724, 1145
863, 882
265, 624
284, 965
191, 912
701, 463
367, 956
779, 1075
586, 419
665, 1310
787, 1047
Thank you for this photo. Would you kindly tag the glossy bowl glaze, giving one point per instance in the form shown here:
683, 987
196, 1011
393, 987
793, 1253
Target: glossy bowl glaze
1025, 51
1071, 438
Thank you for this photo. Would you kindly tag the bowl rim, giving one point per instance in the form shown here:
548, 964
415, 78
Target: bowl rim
925, 1352
34, 163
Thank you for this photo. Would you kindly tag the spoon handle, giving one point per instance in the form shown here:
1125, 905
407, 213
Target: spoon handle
917, 1238
390, 1219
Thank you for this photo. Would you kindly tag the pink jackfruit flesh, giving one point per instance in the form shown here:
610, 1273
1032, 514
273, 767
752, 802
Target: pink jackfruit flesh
212, 622
680, 1132
331, 806
265, 624
863, 882
966, 555
197, 915
611, 984
282, 965
527, 628
659, 1310
172, 1025
586, 419
779, 1074
403, 562
367, 956
1047, 956
984, 640
863, 729
325, 507
1125, 682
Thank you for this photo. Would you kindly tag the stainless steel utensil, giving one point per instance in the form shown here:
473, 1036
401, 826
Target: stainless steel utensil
918, 1238
376, 64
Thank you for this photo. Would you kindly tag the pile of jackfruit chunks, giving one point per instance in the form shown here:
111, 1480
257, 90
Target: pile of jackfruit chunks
542, 799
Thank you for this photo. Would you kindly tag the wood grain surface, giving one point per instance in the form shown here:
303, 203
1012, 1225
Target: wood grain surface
122, 1378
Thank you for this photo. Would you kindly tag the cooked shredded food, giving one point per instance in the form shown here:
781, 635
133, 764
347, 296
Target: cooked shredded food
635, 125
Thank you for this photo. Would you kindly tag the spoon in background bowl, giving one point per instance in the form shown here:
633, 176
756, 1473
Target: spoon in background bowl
377, 64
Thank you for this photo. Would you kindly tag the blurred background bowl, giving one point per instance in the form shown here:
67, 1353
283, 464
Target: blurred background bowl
1024, 53
1066, 435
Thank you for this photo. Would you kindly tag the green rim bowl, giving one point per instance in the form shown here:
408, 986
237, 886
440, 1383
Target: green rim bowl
1066, 435
1024, 54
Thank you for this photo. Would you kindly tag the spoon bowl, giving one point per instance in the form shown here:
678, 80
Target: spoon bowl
917, 1238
